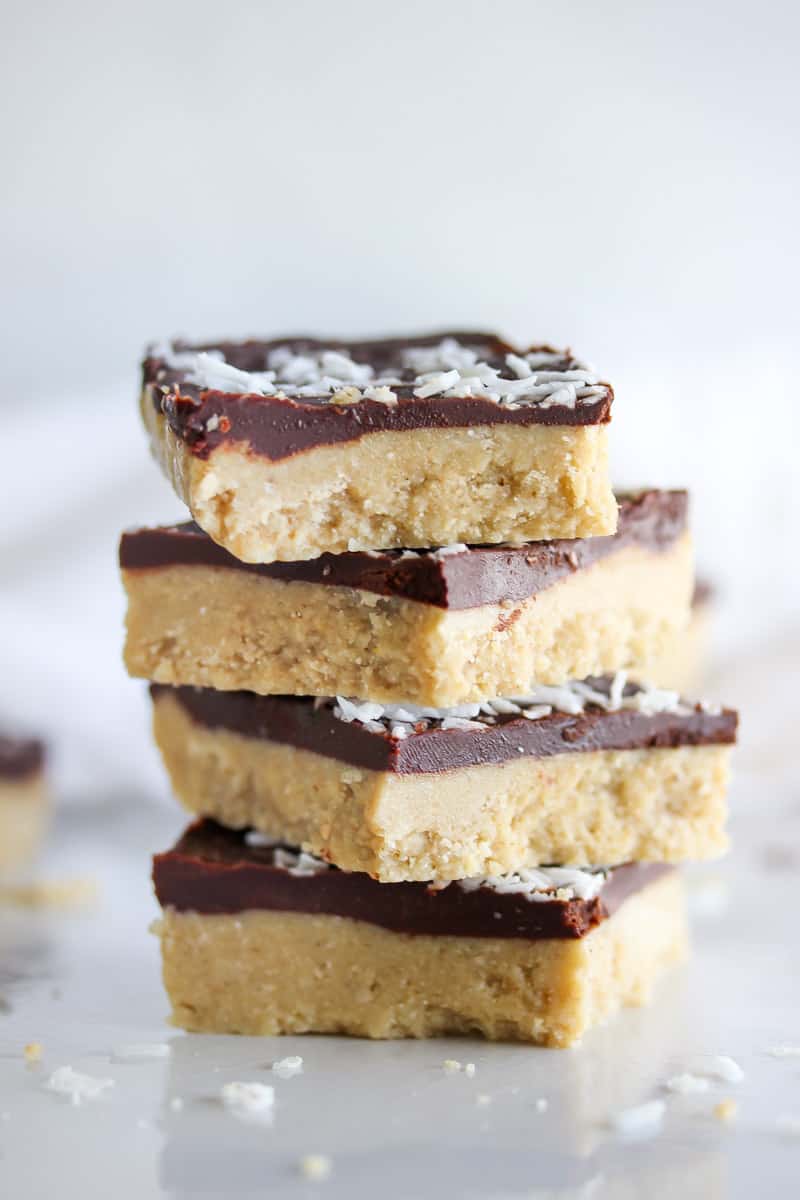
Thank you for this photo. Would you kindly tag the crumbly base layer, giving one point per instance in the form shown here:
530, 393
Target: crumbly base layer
609, 806
24, 812
425, 487
271, 973
231, 630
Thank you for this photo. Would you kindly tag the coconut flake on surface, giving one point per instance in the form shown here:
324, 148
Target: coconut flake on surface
76, 1086
784, 1052
643, 1120
247, 1099
721, 1067
287, 1068
687, 1084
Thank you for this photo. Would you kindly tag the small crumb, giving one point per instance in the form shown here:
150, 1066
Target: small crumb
641, 1121
247, 1099
316, 1167
784, 1051
542, 1104
483, 1099
451, 1066
687, 1084
176, 1104
726, 1109
77, 1086
469, 1070
285, 1068
790, 1125
33, 1052
141, 1051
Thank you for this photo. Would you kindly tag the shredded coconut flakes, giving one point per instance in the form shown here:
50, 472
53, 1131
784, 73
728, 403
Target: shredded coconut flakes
77, 1086
288, 1067
572, 698
641, 1121
449, 369
248, 1099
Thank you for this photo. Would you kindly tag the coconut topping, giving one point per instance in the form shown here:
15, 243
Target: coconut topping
574, 698
449, 369
542, 884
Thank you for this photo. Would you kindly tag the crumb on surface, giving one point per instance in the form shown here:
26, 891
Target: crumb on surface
726, 1109
451, 1066
33, 1052
542, 1104
316, 1167
470, 1069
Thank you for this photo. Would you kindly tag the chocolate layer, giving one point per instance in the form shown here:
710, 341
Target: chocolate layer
214, 870
20, 757
479, 575
310, 724
278, 428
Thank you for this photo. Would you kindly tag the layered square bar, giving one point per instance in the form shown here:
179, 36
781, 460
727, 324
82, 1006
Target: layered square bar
264, 939
284, 450
432, 627
23, 800
597, 771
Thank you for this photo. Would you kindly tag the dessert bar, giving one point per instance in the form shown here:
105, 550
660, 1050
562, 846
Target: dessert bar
597, 771
286, 449
265, 939
431, 627
23, 800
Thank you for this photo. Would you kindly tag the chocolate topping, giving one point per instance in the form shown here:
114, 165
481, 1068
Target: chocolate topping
307, 724
279, 427
214, 870
20, 757
481, 575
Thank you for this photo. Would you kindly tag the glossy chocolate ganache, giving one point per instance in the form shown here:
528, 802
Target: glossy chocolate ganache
455, 577
214, 870
287, 395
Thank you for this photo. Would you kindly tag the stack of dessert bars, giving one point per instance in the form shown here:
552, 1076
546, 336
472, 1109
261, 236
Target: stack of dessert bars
398, 666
